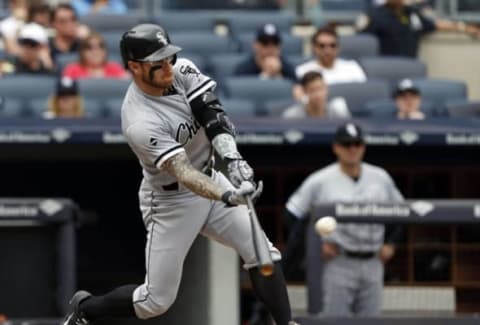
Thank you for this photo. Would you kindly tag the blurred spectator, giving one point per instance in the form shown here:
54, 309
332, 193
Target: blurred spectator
66, 101
399, 27
326, 48
91, 7
10, 25
354, 253
93, 61
315, 103
68, 32
34, 56
40, 13
266, 60
408, 99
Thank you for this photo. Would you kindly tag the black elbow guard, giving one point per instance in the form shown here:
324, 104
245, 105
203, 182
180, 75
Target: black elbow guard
209, 112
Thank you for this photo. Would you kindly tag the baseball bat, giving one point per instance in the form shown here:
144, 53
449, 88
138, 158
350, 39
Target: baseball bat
260, 244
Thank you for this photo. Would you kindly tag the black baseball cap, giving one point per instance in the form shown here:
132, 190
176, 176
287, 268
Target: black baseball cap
66, 86
406, 86
268, 33
349, 133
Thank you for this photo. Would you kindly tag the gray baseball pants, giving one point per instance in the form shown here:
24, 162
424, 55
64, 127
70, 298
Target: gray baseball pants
173, 220
352, 286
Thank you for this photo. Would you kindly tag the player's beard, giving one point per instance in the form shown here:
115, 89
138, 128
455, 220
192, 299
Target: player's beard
149, 79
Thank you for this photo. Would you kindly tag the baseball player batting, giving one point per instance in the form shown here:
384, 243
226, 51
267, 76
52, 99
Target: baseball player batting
173, 122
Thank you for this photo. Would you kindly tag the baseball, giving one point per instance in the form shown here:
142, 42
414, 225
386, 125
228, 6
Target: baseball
325, 225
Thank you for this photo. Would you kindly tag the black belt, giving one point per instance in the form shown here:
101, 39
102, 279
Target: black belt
174, 186
360, 255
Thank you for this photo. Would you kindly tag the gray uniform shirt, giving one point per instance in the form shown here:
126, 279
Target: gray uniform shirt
331, 184
159, 127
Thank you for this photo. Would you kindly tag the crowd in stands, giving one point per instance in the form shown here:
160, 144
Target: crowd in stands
258, 61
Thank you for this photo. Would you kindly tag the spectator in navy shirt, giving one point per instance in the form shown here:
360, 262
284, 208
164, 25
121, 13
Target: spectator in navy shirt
266, 60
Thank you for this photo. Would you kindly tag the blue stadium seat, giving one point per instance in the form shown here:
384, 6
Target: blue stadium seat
276, 107
187, 20
463, 108
104, 22
357, 94
26, 87
358, 45
112, 40
298, 59
344, 5
387, 108
203, 43
223, 65
258, 90
102, 89
113, 107
238, 107
291, 45
249, 21
11, 107
440, 91
393, 69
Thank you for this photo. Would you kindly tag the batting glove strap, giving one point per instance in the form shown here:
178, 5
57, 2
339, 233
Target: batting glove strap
226, 199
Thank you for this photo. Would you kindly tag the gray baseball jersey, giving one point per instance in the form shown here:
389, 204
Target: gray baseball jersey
156, 129
330, 184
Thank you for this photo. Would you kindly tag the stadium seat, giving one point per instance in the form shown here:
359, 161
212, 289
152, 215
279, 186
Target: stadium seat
203, 43
393, 69
343, 5
223, 65
112, 40
238, 107
186, 20
276, 107
113, 107
258, 90
440, 91
25, 87
240, 22
298, 59
357, 94
92, 108
105, 22
463, 108
358, 46
386, 108
103, 89
291, 45
10, 107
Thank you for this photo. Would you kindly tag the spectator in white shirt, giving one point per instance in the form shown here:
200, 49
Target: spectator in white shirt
315, 103
325, 48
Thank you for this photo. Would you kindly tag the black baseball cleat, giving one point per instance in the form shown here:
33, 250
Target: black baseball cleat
76, 316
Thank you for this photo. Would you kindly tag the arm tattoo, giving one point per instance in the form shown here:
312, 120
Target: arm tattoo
226, 146
180, 167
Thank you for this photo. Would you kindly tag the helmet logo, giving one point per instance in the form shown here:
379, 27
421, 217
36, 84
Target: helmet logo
161, 38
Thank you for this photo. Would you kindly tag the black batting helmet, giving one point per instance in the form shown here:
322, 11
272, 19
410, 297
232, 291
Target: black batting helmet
147, 43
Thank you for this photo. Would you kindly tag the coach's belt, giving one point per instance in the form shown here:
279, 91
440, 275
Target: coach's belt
360, 255
174, 186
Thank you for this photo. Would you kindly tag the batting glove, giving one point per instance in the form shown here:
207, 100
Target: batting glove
239, 171
238, 196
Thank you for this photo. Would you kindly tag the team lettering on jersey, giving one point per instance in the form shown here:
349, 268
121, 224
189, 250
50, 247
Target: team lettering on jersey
186, 69
186, 131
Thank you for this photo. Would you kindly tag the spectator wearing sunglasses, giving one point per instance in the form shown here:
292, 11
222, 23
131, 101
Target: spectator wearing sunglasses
33, 42
93, 61
325, 48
